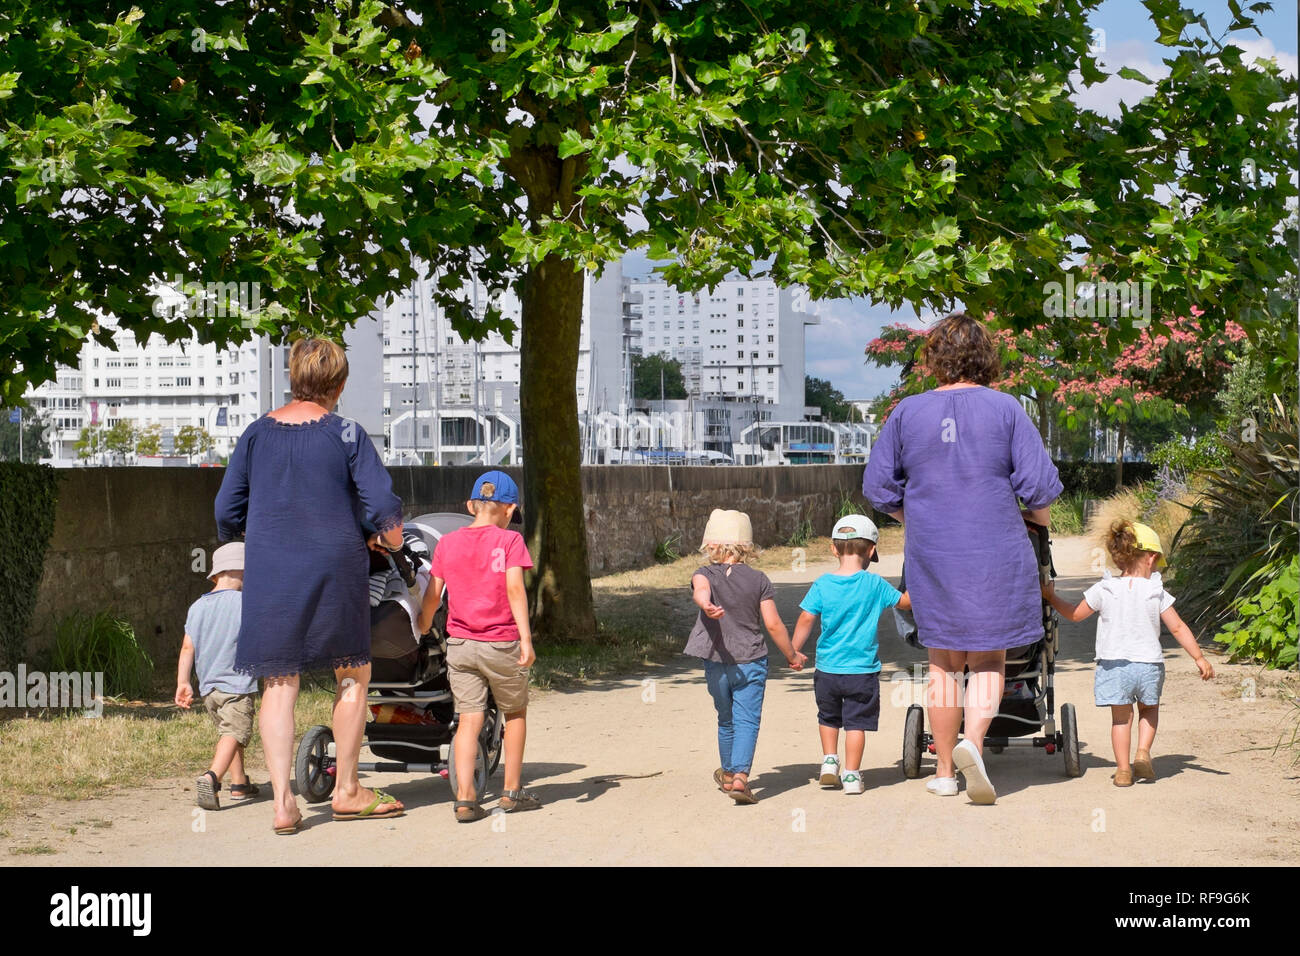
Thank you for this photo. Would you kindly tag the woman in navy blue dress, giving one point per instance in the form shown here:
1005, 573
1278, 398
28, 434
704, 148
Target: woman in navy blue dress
299, 484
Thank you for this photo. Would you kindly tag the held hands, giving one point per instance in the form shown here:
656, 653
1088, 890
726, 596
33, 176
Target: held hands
184, 696
1048, 589
798, 661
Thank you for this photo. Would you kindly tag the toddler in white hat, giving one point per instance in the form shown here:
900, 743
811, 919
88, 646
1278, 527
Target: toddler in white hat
736, 603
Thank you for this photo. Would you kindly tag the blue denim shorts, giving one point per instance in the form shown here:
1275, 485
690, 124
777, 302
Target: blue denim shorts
1128, 682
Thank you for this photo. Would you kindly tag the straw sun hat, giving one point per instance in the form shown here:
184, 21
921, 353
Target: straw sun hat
729, 527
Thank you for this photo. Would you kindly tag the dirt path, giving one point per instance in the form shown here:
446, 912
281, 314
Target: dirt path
624, 767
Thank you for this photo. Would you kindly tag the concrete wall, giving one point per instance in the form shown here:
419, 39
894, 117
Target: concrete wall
139, 541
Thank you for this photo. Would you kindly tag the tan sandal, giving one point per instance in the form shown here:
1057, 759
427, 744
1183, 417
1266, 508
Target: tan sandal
743, 795
1142, 768
722, 779
1123, 778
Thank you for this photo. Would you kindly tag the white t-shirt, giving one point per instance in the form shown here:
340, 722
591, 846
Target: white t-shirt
1129, 612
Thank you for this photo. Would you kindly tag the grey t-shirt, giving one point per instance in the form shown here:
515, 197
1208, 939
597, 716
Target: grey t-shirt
737, 636
213, 627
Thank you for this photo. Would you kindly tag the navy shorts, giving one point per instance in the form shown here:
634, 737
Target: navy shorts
848, 701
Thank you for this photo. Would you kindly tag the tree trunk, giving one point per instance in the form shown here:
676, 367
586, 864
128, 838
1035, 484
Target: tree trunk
1119, 457
560, 602
1041, 401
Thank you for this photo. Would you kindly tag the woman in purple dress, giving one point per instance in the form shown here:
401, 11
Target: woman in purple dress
300, 484
954, 461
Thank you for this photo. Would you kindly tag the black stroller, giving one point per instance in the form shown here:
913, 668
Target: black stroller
1029, 696
413, 719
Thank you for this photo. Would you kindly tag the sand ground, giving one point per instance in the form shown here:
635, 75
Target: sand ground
624, 768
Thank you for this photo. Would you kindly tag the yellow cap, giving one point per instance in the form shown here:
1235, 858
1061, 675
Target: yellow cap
1148, 540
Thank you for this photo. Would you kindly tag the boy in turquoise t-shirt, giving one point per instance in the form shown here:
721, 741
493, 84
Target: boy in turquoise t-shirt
846, 684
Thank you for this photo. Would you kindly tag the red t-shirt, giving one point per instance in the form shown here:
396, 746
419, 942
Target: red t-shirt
473, 562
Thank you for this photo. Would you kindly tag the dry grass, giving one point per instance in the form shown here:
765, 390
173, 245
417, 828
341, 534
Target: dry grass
73, 758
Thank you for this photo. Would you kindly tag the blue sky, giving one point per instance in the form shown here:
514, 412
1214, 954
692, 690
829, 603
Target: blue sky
835, 346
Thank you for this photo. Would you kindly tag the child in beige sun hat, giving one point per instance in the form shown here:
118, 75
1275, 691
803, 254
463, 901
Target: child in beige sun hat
736, 602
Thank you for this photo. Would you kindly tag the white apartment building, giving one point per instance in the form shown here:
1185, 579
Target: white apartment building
159, 383
448, 401
742, 342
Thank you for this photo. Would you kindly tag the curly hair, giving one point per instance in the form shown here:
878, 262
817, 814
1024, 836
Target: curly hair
960, 349
718, 553
1121, 542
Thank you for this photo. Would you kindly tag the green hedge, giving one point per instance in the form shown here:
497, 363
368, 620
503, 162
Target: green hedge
28, 495
1096, 479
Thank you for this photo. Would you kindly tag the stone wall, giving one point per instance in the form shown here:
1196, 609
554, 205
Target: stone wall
138, 541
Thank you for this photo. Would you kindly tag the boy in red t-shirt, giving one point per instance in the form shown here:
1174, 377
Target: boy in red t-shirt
489, 644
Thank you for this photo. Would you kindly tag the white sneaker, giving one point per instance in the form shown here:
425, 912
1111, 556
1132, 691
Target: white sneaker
830, 773
943, 786
852, 781
971, 766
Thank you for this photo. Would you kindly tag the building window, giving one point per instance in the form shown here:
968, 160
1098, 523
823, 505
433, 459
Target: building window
740, 307
771, 338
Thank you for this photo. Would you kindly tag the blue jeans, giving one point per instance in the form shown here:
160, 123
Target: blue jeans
737, 692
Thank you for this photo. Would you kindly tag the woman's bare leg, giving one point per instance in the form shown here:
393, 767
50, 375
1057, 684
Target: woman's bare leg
983, 692
349, 729
943, 704
276, 723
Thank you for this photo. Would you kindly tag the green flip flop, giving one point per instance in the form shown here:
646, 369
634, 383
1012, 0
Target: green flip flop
381, 799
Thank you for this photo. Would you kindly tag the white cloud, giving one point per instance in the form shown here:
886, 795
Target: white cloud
1105, 97
1263, 47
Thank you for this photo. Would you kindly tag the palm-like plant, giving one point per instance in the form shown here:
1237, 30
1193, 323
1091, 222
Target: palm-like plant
1242, 532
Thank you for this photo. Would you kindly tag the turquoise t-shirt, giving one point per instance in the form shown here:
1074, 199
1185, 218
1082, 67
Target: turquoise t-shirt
849, 606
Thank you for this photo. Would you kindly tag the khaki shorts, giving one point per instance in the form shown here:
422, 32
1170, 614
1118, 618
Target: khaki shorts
475, 666
232, 713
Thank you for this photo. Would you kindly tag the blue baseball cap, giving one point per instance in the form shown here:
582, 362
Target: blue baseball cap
497, 486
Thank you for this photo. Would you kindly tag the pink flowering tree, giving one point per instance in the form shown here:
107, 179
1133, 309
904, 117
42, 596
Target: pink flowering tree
1085, 370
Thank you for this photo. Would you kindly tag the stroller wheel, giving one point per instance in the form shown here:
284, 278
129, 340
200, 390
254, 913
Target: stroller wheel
913, 740
493, 731
480, 770
313, 770
1070, 741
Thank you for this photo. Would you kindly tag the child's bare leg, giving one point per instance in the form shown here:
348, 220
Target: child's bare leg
1148, 720
276, 722
855, 743
1121, 733
224, 757
515, 732
237, 772
830, 737
465, 753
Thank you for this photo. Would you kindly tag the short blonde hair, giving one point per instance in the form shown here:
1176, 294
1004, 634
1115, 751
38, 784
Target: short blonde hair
718, 553
493, 508
317, 370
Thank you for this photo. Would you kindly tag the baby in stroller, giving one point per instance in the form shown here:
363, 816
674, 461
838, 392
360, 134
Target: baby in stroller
413, 717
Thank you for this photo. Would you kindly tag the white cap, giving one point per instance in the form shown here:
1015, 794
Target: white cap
854, 527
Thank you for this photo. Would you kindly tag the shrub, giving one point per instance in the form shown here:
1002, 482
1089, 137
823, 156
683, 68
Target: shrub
1180, 456
97, 643
1242, 533
1096, 479
1067, 514
28, 495
669, 549
1264, 631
